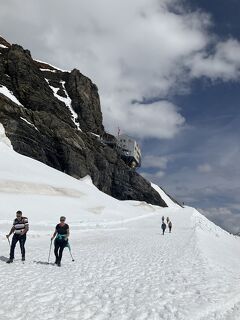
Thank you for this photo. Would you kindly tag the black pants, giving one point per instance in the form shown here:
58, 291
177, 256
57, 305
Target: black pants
163, 230
59, 244
170, 229
15, 239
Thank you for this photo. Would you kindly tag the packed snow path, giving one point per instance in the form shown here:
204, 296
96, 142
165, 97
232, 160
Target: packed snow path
128, 271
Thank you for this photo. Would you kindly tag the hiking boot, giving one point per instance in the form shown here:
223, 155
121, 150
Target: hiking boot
23, 258
59, 264
9, 261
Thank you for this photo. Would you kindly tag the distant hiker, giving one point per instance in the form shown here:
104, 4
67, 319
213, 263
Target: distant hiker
20, 228
163, 219
170, 226
168, 220
164, 226
61, 241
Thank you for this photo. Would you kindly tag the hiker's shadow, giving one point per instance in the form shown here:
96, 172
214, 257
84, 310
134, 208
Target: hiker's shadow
44, 262
4, 259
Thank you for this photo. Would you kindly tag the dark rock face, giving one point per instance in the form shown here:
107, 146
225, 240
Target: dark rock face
45, 125
85, 101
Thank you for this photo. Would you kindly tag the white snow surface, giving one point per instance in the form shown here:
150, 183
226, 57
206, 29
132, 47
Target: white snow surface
6, 92
50, 70
51, 65
124, 267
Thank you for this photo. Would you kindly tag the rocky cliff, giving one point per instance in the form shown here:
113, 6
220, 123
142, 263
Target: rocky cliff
55, 117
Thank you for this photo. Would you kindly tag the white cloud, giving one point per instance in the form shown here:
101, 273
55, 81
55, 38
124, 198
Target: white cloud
131, 49
223, 64
151, 161
222, 211
156, 120
204, 168
153, 177
159, 174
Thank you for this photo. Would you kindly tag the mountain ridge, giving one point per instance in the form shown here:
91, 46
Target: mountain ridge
56, 122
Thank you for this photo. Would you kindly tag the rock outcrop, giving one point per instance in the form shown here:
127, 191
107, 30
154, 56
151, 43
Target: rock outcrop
58, 121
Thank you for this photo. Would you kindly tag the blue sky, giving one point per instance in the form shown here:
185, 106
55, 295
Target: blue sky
205, 170
168, 73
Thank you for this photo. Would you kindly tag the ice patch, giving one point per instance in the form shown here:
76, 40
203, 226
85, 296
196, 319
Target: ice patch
32, 125
4, 90
96, 135
2, 46
54, 71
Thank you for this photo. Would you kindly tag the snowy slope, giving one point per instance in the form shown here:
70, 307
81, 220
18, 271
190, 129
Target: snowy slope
124, 268
25, 180
4, 91
170, 203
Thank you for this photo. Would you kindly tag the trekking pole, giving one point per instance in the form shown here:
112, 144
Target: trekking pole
50, 250
70, 252
9, 242
71, 255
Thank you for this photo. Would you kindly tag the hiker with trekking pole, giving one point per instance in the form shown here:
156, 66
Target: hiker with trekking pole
19, 229
61, 235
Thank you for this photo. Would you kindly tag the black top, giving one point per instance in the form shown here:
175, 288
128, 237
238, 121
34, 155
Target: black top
62, 229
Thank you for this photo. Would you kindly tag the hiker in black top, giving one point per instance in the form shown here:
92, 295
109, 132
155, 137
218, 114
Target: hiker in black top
61, 241
20, 228
163, 227
170, 226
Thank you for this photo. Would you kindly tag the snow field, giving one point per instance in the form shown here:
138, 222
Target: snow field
129, 272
